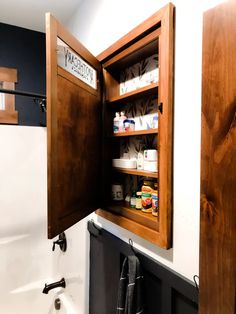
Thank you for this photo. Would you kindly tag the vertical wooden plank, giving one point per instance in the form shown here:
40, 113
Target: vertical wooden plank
218, 162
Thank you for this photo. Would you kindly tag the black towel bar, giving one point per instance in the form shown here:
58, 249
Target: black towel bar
22, 93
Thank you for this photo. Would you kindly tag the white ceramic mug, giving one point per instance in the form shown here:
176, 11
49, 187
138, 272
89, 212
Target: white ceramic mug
150, 154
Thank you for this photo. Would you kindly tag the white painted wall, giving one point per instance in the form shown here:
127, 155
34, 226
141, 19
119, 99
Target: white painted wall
98, 24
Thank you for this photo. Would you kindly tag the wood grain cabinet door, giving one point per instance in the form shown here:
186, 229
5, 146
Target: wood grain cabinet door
73, 129
218, 162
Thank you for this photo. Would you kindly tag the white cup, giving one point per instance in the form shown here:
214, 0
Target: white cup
150, 154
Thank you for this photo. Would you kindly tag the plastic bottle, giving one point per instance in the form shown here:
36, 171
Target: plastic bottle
155, 122
133, 200
140, 161
116, 123
121, 120
138, 204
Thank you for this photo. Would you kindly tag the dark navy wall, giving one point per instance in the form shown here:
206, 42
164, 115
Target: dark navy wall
25, 50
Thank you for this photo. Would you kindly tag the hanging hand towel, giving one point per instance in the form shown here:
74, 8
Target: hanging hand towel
130, 295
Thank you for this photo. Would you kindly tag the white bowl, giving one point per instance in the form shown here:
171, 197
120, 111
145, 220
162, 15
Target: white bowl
124, 163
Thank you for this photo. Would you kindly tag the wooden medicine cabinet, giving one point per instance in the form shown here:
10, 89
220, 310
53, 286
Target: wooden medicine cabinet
134, 76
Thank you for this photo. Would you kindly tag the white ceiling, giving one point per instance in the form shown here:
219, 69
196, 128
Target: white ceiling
31, 13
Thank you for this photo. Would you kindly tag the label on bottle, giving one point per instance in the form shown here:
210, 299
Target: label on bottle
140, 161
154, 204
116, 126
138, 203
132, 202
146, 200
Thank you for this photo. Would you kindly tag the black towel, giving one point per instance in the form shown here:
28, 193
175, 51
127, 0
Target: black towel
130, 294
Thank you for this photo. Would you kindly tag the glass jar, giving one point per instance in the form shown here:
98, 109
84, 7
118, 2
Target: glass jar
155, 200
147, 196
133, 200
139, 200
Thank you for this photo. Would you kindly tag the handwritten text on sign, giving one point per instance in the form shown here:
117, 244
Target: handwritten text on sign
71, 62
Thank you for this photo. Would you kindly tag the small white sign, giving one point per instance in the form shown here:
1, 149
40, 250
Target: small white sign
74, 64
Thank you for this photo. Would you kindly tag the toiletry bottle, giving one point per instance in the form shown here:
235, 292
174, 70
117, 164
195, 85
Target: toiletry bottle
155, 121
121, 120
116, 123
133, 200
138, 204
140, 161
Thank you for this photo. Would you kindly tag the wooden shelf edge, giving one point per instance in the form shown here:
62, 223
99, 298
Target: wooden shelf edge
147, 219
136, 92
144, 232
136, 172
135, 133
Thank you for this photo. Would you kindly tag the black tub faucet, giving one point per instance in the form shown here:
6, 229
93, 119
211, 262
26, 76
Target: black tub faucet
54, 285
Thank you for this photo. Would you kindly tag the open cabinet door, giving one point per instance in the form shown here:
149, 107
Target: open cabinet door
73, 129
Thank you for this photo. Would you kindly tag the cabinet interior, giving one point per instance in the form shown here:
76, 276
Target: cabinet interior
132, 88
131, 85
138, 80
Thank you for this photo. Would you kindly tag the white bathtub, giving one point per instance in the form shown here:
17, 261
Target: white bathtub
66, 304
39, 303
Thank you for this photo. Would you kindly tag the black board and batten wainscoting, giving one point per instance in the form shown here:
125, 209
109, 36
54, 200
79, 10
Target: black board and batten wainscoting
165, 291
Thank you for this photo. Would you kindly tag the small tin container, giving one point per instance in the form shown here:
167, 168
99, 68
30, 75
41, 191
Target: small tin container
129, 125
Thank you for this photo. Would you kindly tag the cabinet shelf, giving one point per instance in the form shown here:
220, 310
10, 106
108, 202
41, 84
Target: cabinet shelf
137, 172
143, 91
147, 219
141, 49
135, 133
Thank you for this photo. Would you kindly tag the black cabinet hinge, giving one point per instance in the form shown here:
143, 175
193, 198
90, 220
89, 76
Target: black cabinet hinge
93, 229
160, 107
